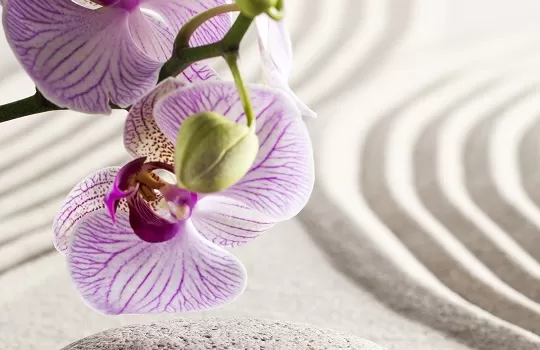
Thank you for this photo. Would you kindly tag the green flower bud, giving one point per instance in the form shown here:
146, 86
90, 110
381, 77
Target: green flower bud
213, 153
253, 8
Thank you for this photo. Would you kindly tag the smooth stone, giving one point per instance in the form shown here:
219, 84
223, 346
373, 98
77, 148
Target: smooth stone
221, 334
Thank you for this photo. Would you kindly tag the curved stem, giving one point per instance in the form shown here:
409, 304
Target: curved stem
232, 61
184, 57
188, 29
231, 41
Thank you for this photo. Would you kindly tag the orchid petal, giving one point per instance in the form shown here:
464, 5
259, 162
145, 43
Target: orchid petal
275, 43
88, 196
277, 57
151, 35
228, 222
281, 179
142, 137
83, 59
179, 12
117, 273
197, 72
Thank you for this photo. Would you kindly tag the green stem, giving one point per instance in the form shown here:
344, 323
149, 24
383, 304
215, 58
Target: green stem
232, 61
31, 105
184, 57
231, 41
188, 29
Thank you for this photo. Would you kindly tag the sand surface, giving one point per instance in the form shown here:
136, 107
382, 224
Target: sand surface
423, 231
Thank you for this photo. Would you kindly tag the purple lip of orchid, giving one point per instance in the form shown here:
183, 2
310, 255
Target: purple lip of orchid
137, 184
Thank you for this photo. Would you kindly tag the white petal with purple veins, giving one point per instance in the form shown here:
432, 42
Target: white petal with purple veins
151, 35
197, 72
228, 222
178, 12
117, 273
142, 137
81, 58
281, 179
88, 196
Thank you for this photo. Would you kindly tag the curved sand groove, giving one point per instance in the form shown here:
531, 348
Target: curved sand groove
332, 246
397, 21
504, 148
429, 246
402, 238
363, 261
530, 168
434, 196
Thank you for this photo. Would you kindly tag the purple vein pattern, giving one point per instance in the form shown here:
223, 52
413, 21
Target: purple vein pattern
83, 59
117, 273
85, 198
178, 12
197, 72
79, 58
142, 137
281, 179
228, 222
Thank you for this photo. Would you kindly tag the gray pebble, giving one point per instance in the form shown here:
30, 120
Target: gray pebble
221, 334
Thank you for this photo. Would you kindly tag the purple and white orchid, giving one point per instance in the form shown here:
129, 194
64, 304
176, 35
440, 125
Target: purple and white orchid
85, 58
136, 243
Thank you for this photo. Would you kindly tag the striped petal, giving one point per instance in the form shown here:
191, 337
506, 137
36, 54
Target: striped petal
196, 73
88, 196
228, 222
281, 179
83, 59
117, 273
142, 137
277, 57
178, 12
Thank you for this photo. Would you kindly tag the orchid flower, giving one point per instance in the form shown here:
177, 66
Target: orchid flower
85, 58
277, 57
136, 243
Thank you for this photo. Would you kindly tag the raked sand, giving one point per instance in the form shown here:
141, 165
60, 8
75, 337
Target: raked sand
423, 231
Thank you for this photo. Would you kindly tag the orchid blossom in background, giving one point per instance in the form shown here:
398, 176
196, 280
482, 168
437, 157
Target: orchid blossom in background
214, 163
83, 59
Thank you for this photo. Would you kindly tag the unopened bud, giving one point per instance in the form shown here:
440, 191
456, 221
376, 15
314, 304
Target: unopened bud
213, 153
